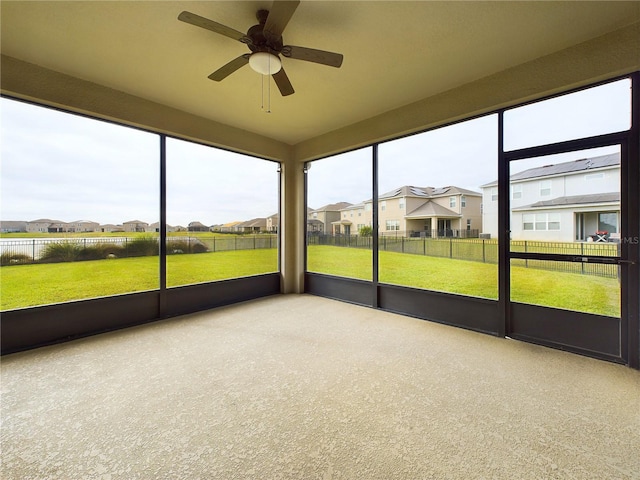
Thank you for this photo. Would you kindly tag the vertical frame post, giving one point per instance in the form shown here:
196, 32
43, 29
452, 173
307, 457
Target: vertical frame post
632, 185
375, 229
504, 234
162, 307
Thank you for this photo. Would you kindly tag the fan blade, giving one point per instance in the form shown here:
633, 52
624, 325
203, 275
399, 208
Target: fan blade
283, 83
226, 70
313, 55
216, 27
279, 15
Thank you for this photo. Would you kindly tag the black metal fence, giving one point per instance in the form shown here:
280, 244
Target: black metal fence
52, 250
486, 250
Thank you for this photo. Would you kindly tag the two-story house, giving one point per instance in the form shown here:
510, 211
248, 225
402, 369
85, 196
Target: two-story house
320, 220
78, 226
420, 211
46, 225
135, 226
565, 202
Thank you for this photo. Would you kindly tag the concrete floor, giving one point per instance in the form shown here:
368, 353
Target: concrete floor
302, 387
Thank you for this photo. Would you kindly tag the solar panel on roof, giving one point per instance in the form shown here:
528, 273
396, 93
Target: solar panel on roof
418, 191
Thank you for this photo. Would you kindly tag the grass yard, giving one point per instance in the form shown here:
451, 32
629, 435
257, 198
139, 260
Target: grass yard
584, 293
31, 285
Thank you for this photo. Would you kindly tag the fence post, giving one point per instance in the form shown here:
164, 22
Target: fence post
582, 255
424, 245
33, 251
484, 254
214, 244
402, 244
235, 243
254, 242
451, 248
526, 262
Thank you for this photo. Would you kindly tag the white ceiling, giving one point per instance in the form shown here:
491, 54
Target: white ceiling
395, 53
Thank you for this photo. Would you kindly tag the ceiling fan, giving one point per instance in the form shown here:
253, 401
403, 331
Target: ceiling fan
266, 45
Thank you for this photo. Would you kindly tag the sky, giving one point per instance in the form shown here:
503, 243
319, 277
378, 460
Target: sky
66, 167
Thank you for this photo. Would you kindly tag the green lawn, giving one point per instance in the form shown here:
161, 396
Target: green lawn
584, 293
30, 285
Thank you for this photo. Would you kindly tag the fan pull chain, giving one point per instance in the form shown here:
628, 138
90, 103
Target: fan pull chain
265, 78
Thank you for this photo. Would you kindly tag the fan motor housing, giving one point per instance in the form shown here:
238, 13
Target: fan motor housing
261, 41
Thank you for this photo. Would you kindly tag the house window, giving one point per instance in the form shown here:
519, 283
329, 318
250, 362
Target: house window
516, 191
463, 201
393, 225
553, 221
452, 202
344, 214
315, 214
383, 205
494, 194
468, 224
527, 221
541, 221
545, 188
608, 222
367, 207
401, 203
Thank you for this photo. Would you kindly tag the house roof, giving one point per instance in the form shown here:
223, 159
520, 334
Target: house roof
333, 207
135, 221
565, 168
355, 206
230, 224
45, 220
594, 198
431, 209
425, 192
254, 222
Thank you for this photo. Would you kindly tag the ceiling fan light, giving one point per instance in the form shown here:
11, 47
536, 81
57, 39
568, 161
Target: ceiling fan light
265, 63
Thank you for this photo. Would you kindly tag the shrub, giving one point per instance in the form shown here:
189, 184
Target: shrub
14, 259
192, 245
365, 231
100, 251
145, 246
61, 252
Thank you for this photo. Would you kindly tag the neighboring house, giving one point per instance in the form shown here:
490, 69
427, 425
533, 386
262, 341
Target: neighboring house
228, 227
255, 225
110, 228
565, 202
352, 218
13, 226
320, 220
83, 226
197, 227
135, 226
155, 228
46, 225
272, 223
418, 211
